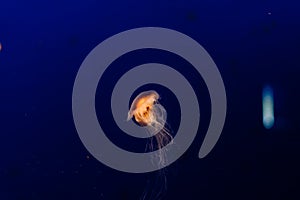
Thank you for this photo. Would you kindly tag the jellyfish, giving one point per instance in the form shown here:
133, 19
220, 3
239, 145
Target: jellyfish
149, 113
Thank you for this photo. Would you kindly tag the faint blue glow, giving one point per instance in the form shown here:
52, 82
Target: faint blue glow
268, 107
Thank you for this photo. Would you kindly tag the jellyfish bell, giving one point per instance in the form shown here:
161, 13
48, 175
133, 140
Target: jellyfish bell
146, 111
142, 108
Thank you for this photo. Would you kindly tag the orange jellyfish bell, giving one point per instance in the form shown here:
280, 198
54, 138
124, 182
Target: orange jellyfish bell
142, 108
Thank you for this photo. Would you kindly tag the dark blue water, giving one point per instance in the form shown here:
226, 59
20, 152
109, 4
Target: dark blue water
253, 43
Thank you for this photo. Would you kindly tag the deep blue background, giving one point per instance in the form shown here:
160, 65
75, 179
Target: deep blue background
252, 42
